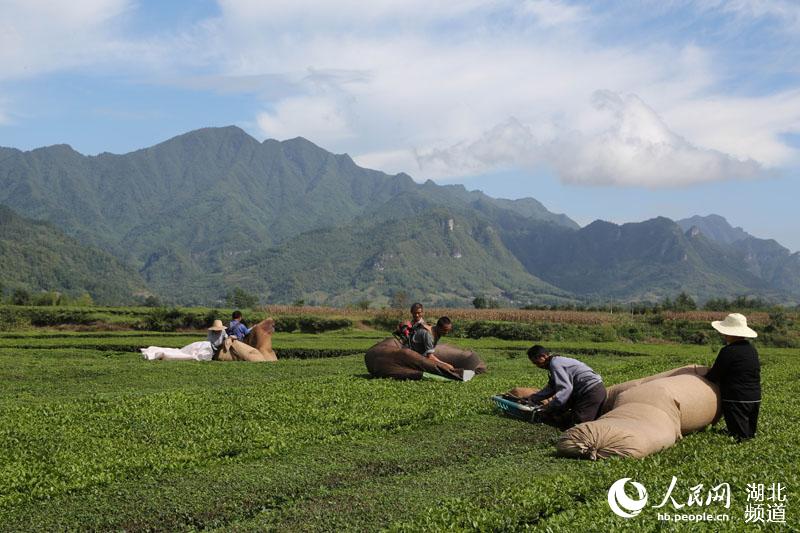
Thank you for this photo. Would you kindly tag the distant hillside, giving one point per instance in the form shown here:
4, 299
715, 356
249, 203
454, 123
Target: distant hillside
184, 211
214, 209
715, 228
439, 257
37, 257
646, 260
764, 258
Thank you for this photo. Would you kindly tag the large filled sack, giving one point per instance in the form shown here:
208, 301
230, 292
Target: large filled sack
615, 390
631, 430
645, 420
390, 359
461, 359
648, 415
698, 400
236, 350
260, 338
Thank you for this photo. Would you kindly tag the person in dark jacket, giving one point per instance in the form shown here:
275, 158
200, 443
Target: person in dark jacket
737, 371
576, 390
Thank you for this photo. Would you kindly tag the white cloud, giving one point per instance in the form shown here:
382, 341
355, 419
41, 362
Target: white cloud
640, 150
38, 36
787, 13
743, 127
636, 148
424, 102
427, 86
319, 119
551, 13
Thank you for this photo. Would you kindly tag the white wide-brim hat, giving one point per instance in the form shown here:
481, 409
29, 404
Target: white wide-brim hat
217, 326
735, 325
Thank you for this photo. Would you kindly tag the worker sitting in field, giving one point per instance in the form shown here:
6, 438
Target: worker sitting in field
423, 340
405, 330
576, 390
236, 328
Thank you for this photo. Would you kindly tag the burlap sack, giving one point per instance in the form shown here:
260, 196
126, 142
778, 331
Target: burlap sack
697, 398
631, 430
615, 390
236, 350
522, 392
260, 338
649, 415
645, 420
389, 359
462, 359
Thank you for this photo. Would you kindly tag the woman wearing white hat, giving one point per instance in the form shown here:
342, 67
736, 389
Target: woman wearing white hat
737, 371
217, 336
197, 351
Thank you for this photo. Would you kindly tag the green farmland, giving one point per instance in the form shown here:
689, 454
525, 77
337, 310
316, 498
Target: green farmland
95, 438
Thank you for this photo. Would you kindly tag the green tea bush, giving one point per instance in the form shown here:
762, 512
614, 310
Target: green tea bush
53, 316
604, 333
311, 324
315, 353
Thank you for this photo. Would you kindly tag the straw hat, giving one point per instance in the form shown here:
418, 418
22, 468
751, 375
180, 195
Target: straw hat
734, 325
217, 326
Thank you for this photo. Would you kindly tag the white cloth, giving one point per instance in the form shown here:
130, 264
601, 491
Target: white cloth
197, 351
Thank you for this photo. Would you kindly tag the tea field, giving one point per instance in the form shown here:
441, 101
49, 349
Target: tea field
95, 438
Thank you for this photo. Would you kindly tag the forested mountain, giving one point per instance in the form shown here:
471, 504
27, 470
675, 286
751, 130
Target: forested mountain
213, 209
35, 256
764, 258
646, 260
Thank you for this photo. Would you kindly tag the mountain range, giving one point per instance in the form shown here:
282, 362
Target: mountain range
192, 218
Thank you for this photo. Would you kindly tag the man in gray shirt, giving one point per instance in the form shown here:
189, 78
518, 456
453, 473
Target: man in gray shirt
424, 339
576, 390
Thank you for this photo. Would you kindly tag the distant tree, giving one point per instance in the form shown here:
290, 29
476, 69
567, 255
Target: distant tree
717, 304
299, 303
493, 304
399, 300
84, 300
239, 298
152, 301
21, 297
47, 298
479, 302
363, 304
684, 302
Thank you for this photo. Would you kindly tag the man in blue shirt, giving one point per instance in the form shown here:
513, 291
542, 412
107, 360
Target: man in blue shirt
577, 392
236, 328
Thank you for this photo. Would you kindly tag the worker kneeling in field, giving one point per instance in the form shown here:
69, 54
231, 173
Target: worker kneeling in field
419, 354
576, 390
423, 340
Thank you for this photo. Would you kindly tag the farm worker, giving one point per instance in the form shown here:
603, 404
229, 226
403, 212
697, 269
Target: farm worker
423, 340
217, 336
737, 371
576, 390
236, 328
405, 330
417, 312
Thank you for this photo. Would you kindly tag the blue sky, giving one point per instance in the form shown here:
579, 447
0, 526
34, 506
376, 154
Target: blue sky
621, 111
